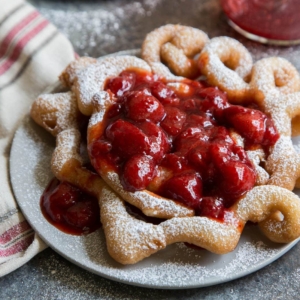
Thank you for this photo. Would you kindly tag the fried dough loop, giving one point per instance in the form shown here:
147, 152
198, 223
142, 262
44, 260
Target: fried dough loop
229, 67
226, 63
56, 112
176, 45
276, 90
272, 83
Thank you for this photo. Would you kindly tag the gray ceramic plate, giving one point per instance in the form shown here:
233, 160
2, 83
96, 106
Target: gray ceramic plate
175, 267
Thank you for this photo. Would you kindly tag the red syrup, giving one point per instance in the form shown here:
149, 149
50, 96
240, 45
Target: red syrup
75, 212
151, 126
271, 19
69, 209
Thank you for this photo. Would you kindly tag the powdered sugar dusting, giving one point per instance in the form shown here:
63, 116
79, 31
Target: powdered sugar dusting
177, 271
91, 80
262, 201
281, 103
173, 44
204, 232
255, 205
184, 269
219, 51
71, 72
278, 95
67, 148
152, 46
102, 101
283, 163
128, 240
56, 112
150, 204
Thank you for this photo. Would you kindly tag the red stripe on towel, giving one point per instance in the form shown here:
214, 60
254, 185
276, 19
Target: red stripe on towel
13, 232
6, 65
15, 30
20, 246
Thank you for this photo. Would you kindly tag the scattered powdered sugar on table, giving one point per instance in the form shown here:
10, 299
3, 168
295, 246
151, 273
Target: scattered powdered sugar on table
296, 275
87, 29
91, 25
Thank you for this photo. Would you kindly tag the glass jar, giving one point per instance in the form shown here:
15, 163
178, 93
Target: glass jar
266, 21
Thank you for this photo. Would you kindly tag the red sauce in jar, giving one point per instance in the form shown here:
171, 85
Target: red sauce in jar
272, 19
153, 126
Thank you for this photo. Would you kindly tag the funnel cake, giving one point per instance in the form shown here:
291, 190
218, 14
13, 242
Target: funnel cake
130, 240
193, 164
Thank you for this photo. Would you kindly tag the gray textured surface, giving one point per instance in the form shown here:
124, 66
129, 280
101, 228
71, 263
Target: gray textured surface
100, 27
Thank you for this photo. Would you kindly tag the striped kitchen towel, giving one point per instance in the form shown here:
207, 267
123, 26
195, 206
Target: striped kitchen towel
32, 55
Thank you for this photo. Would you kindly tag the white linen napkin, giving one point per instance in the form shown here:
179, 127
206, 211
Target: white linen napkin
32, 55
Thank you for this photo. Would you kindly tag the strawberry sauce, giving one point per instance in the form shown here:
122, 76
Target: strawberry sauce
70, 209
185, 134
